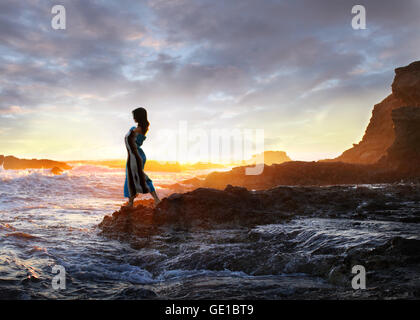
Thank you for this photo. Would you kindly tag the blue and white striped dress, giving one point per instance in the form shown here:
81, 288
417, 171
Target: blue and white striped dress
132, 184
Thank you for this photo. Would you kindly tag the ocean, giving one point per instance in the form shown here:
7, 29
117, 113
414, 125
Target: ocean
48, 220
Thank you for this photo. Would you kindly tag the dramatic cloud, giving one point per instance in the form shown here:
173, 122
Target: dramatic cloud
293, 68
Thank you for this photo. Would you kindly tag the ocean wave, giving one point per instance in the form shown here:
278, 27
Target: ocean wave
21, 235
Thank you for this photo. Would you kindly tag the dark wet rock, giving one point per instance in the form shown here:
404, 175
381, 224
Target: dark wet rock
201, 208
209, 207
393, 265
135, 292
11, 162
401, 246
188, 238
129, 221
206, 208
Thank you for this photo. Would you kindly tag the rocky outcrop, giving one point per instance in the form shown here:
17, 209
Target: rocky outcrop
401, 165
206, 208
396, 254
389, 151
379, 135
298, 173
404, 154
292, 173
11, 162
201, 208
269, 157
1, 159
406, 85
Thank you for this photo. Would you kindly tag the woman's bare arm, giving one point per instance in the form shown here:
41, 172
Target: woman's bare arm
138, 130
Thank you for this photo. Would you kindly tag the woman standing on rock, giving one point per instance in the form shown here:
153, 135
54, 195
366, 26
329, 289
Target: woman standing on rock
136, 181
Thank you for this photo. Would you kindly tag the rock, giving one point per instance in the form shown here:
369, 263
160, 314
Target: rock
209, 208
300, 173
404, 154
127, 221
206, 208
338, 275
1, 160
184, 185
11, 162
136, 292
379, 135
269, 157
56, 171
407, 247
201, 208
397, 251
292, 173
406, 85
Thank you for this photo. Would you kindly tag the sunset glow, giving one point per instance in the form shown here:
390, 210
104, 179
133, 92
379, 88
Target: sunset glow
68, 94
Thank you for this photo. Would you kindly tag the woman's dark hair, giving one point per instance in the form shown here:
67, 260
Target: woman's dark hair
140, 116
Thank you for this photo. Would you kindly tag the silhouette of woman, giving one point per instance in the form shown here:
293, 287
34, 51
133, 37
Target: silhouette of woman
136, 181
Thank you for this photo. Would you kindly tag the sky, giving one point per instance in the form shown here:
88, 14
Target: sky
295, 70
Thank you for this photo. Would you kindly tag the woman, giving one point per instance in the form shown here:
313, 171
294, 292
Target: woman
136, 181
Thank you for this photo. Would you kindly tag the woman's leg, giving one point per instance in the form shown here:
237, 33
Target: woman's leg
131, 201
155, 196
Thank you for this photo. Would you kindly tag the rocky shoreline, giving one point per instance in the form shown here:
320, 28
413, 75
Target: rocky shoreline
371, 187
206, 208
393, 266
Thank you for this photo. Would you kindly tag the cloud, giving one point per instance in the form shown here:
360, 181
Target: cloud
13, 110
277, 65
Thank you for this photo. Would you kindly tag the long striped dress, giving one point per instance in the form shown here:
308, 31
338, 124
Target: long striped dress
136, 159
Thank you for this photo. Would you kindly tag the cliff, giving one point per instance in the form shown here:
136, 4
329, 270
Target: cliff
400, 162
404, 154
389, 152
379, 135
11, 162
